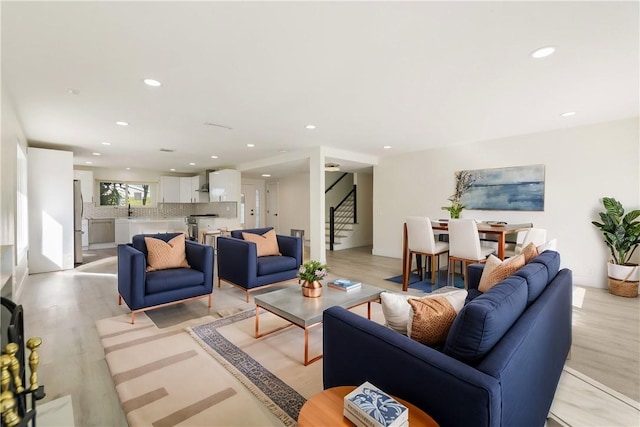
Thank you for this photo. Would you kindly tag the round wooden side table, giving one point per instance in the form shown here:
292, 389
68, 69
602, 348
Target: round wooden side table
325, 409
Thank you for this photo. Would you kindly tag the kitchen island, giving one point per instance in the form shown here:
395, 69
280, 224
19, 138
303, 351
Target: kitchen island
126, 228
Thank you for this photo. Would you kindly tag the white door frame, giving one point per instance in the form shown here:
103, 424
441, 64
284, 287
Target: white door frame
272, 207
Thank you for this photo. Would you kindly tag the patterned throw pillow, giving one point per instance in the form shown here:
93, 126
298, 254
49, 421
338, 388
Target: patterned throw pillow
267, 243
530, 252
495, 270
163, 255
432, 318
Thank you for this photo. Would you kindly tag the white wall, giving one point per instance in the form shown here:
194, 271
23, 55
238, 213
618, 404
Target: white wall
12, 135
582, 165
293, 201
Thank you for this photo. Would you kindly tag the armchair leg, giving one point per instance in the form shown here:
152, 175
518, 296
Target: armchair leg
133, 317
247, 292
119, 299
218, 282
209, 300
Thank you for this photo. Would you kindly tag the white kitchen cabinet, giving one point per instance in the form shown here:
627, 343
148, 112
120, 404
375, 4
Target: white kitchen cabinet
170, 189
122, 231
186, 190
224, 185
85, 233
86, 184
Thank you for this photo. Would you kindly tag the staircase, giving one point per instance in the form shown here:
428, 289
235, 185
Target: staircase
343, 221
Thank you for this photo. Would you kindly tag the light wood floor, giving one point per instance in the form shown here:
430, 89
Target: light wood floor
62, 308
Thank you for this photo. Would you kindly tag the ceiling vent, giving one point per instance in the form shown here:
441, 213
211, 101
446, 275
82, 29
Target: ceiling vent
167, 150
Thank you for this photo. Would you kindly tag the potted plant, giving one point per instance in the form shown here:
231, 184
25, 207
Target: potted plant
622, 235
464, 179
311, 272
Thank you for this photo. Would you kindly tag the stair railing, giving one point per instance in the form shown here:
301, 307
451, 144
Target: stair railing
343, 220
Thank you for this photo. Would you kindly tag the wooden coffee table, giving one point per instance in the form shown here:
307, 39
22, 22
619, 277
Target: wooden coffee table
306, 313
326, 409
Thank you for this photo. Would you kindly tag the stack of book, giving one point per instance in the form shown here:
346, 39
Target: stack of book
345, 285
368, 406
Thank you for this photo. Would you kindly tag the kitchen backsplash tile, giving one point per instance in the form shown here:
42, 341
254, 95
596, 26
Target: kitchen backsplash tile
223, 209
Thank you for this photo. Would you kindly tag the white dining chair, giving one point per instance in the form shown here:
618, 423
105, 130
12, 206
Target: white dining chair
421, 241
464, 246
536, 235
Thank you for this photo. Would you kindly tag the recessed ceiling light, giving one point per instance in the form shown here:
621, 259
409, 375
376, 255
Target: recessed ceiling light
251, 145
73, 92
106, 143
152, 82
386, 147
96, 154
88, 162
128, 169
192, 164
120, 123
310, 127
568, 114
283, 150
172, 170
266, 175
542, 52
214, 157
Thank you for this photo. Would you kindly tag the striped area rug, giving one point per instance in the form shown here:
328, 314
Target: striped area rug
163, 378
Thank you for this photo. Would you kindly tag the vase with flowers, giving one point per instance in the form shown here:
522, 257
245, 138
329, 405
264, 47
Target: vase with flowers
311, 273
464, 180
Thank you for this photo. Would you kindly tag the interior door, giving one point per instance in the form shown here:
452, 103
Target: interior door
250, 206
272, 205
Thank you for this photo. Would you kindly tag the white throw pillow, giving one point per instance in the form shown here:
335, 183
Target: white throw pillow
551, 245
396, 309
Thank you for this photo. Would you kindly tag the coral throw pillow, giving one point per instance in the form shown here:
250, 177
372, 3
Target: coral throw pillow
431, 321
163, 255
496, 270
267, 243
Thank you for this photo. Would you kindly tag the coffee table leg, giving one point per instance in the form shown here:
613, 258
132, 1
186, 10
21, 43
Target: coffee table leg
369, 310
306, 347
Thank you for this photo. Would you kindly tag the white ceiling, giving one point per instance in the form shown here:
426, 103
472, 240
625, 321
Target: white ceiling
412, 75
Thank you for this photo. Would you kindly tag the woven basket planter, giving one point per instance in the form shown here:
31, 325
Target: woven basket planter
623, 280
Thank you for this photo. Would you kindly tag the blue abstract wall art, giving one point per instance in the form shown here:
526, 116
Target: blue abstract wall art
519, 188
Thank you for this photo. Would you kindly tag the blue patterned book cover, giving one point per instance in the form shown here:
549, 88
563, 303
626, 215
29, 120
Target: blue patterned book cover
374, 408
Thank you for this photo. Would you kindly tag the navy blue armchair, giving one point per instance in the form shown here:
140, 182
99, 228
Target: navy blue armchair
239, 264
144, 290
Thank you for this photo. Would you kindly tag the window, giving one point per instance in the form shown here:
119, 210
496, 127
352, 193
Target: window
125, 193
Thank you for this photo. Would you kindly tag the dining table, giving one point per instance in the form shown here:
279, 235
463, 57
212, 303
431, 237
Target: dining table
499, 229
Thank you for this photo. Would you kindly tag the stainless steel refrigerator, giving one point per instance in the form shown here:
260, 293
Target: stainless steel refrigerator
77, 221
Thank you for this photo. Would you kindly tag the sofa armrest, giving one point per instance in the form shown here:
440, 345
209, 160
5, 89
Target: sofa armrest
132, 274
200, 257
237, 260
356, 350
290, 246
474, 273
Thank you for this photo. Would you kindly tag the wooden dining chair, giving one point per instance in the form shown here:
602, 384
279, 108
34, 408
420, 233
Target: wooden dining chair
464, 246
421, 241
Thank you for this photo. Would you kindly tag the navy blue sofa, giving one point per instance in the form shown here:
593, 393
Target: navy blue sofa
239, 264
143, 290
501, 362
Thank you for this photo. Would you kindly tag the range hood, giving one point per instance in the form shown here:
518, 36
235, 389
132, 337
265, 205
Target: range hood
204, 188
